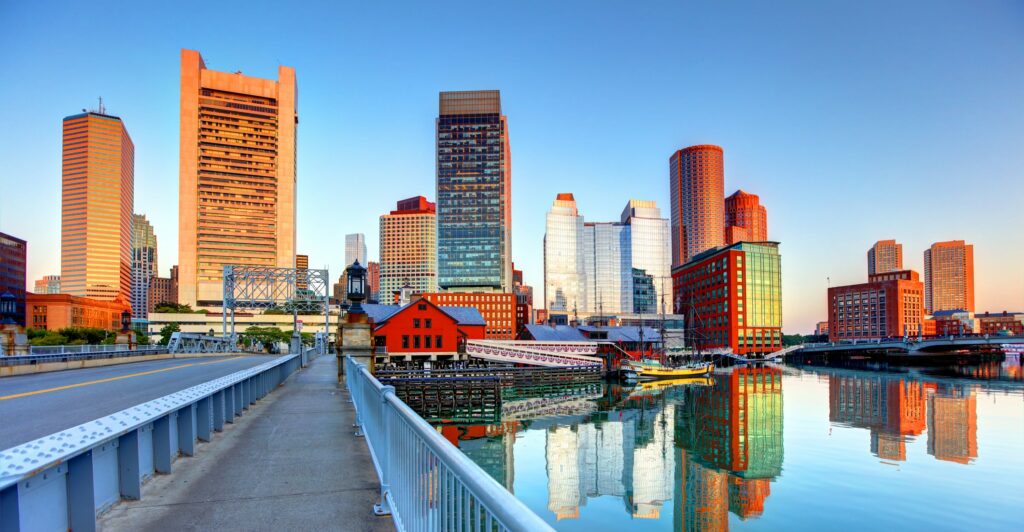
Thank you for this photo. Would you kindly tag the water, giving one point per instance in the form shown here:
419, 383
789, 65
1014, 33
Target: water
769, 449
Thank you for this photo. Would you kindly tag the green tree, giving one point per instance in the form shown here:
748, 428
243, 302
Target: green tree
268, 336
792, 339
166, 331
49, 338
141, 337
166, 307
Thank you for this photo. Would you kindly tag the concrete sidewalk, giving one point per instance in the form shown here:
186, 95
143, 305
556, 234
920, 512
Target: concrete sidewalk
290, 463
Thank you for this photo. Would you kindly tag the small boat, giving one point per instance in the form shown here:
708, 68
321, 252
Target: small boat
628, 374
653, 370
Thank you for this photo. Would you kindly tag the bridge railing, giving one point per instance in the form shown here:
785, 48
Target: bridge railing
42, 358
425, 482
64, 480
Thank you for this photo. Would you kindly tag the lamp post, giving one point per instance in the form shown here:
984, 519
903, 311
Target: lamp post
356, 288
8, 309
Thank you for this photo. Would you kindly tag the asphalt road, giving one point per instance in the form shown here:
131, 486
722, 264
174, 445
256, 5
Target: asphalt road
33, 406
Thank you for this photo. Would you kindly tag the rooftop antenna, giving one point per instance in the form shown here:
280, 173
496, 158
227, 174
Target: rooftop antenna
102, 110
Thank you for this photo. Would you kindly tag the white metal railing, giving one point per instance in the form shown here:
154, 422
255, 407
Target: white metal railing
91, 348
425, 482
62, 481
38, 358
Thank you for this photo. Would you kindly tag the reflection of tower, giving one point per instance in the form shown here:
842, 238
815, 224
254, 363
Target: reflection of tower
653, 467
562, 450
489, 446
953, 425
746, 496
890, 408
707, 497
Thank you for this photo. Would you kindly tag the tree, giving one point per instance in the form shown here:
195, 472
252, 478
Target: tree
141, 337
268, 336
167, 307
166, 331
792, 339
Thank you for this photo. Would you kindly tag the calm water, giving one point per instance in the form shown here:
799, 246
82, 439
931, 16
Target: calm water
769, 449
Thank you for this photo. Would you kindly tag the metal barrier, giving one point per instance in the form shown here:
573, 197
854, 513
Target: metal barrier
201, 343
425, 482
21, 360
92, 348
62, 481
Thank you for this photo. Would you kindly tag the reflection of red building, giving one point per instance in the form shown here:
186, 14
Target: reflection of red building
891, 409
953, 426
746, 496
498, 310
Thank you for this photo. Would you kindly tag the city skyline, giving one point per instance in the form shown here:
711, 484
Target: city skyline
785, 165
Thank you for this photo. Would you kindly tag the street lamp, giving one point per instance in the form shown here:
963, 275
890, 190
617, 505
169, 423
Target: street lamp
126, 321
356, 287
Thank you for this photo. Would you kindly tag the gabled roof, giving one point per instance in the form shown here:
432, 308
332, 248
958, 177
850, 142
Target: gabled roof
462, 315
558, 333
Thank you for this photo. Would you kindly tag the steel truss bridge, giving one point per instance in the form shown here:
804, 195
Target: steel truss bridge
912, 346
293, 290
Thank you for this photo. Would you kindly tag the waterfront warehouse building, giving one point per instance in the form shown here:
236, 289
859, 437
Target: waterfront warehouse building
732, 297
236, 197
889, 305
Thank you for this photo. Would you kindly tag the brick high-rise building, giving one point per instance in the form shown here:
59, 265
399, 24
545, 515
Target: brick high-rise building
888, 305
98, 181
408, 248
697, 187
745, 218
474, 193
159, 292
732, 297
144, 265
13, 261
949, 276
373, 280
884, 257
237, 175
498, 310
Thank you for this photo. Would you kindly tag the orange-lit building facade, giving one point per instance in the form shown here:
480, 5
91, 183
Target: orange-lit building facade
160, 291
97, 182
498, 310
236, 175
58, 311
1004, 322
888, 305
953, 424
892, 409
408, 248
884, 257
697, 189
949, 276
732, 297
302, 275
373, 280
746, 220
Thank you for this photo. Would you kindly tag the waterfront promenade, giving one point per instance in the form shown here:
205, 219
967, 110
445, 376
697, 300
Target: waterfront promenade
292, 465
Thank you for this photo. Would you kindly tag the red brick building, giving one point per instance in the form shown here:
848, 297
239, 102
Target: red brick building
1011, 322
888, 305
57, 311
423, 328
498, 310
745, 218
732, 297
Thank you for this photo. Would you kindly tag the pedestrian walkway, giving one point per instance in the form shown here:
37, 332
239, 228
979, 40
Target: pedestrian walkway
290, 463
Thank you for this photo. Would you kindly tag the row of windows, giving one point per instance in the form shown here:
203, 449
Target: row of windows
424, 341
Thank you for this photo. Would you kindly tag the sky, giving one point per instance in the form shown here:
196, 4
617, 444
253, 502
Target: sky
853, 121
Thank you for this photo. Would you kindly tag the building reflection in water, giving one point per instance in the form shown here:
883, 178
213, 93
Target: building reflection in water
895, 410
489, 446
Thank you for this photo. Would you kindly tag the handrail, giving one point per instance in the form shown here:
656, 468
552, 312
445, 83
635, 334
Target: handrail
85, 469
21, 360
426, 483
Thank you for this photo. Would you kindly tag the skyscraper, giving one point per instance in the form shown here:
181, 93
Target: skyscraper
96, 207
13, 261
144, 265
408, 248
302, 273
474, 193
649, 249
884, 257
697, 188
746, 220
564, 273
607, 272
949, 276
237, 175
355, 249
49, 284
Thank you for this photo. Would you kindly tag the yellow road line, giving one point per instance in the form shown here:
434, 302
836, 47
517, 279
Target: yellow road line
100, 381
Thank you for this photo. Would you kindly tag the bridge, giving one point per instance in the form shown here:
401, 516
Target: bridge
918, 346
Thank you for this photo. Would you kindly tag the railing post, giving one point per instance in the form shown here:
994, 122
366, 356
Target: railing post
384, 453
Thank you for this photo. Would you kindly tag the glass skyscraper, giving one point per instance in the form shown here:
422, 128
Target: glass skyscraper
564, 280
607, 271
650, 248
474, 193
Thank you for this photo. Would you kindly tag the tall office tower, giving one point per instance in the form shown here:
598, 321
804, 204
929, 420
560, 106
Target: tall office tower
373, 280
649, 248
174, 284
564, 272
746, 220
884, 257
355, 249
49, 284
13, 261
237, 176
474, 193
96, 207
408, 248
608, 272
144, 265
302, 275
949, 276
697, 188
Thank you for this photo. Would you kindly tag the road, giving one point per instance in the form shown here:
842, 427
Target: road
33, 406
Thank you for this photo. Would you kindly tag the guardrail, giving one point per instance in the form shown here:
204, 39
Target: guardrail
92, 348
21, 360
64, 480
425, 482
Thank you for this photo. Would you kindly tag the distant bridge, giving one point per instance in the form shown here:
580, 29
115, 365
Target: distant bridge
911, 346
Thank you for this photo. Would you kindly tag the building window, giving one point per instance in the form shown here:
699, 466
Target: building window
416, 342
427, 323
422, 306
426, 342
416, 323
405, 341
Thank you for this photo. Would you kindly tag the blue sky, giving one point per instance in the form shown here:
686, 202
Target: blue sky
854, 121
